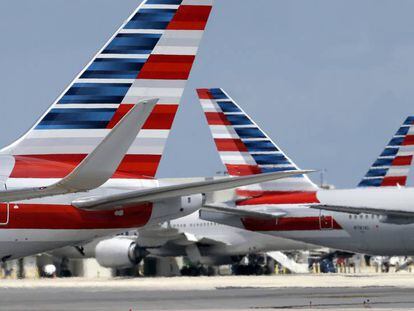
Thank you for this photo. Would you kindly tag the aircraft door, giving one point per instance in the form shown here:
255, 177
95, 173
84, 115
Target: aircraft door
325, 221
4, 209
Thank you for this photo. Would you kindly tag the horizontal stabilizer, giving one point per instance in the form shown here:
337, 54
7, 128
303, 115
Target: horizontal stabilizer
99, 165
157, 194
241, 212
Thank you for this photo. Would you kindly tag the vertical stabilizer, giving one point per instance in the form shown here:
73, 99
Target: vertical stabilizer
391, 168
244, 148
150, 56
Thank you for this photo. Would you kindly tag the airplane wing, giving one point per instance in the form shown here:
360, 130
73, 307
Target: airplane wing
242, 212
155, 194
365, 210
99, 165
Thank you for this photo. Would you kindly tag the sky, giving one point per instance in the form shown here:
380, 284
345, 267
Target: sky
329, 80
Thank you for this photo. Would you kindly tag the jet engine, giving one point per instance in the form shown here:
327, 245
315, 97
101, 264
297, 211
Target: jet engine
119, 253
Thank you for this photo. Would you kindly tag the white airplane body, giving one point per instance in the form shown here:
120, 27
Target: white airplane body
369, 233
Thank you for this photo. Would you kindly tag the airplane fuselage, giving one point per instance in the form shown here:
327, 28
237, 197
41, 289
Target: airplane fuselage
38, 225
365, 233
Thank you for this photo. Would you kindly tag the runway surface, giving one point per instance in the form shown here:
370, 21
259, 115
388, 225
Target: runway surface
246, 293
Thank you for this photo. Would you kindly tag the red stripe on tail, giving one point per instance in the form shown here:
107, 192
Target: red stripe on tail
216, 118
138, 166
394, 181
161, 117
402, 160
60, 165
408, 140
228, 144
204, 94
169, 67
122, 110
190, 17
45, 166
242, 169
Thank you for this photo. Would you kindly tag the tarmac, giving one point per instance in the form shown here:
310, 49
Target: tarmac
279, 292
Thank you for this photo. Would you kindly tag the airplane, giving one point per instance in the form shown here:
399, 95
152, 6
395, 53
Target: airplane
87, 168
204, 243
376, 218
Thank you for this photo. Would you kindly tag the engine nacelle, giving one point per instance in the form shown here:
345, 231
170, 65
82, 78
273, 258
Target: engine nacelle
119, 253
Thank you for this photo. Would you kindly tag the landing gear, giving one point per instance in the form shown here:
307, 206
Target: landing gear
254, 265
64, 268
248, 270
199, 270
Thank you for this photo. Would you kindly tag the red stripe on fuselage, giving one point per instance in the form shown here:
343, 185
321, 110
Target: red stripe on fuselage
47, 216
290, 224
60, 165
190, 17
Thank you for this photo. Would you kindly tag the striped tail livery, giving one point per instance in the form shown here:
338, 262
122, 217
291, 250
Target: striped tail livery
150, 56
393, 165
244, 148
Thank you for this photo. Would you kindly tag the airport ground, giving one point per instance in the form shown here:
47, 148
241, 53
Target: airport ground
278, 292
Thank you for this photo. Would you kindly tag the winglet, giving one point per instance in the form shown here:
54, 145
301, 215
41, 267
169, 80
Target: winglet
100, 164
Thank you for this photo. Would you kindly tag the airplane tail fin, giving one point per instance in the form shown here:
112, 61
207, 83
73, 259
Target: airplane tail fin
391, 168
150, 56
244, 148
